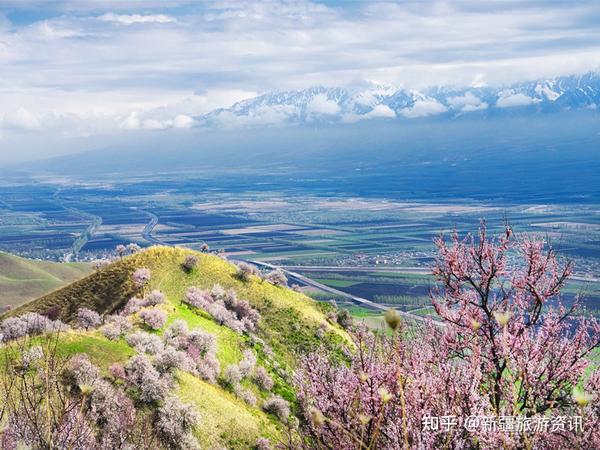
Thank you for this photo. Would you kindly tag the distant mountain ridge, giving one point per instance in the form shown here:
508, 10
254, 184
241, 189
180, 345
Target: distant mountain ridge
321, 104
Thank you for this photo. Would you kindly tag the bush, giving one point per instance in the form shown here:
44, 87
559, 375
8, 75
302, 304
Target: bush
142, 374
277, 277
144, 342
155, 318
133, 305
154, 298
82, 372
175, 422
277, 406
190, 263
141, 277
208, 367
245, 271
170, 358
198, 298
233, 374
116, 327
247, 364
86, 318
262, 379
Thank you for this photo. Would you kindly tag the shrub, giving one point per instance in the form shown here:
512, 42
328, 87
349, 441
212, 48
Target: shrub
144, 342
154, 298
13, 328
133, 248
208, 367
277, 277
133, 305
116, 326
202, 341
218, 293
198, 298
263, 444
262, 379
155, 318
117, 371
86, 318
247, 364
142, 374
190, 263
244, 394
141, 277
121, 250
233, 374
278, 407
82, 372
175, 422
344, 318
170, 358
245, 271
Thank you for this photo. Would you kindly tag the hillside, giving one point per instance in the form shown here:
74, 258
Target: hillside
288, 327
22, 279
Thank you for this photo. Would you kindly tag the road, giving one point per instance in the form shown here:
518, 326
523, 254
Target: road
413, 270
354, 298
147, 233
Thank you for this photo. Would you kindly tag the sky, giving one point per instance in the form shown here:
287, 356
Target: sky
73, 73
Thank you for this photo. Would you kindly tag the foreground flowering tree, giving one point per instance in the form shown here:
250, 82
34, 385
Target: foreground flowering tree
509, 367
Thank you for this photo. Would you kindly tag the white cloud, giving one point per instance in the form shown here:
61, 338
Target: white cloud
381, 111
87, 65
134, 122
423, 108
22, 119
183, 121
467, 102
321, 105
509, 100
130, 19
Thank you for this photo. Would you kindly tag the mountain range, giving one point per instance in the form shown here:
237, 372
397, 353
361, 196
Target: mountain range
347, 105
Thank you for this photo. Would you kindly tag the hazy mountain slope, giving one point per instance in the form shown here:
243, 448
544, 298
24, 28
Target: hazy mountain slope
22, 279
289, 325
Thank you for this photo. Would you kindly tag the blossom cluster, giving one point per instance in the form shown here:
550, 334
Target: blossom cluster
224, 307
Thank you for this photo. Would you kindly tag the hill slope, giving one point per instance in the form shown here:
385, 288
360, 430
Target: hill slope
22, 279
290, 325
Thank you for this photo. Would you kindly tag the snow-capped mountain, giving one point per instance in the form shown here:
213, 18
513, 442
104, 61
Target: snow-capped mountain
345, 105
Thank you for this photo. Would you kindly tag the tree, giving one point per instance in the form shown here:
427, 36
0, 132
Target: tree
175, 422
245, 271
190, 263
86, 318
141, 277
502, 351
277, 277
153, 317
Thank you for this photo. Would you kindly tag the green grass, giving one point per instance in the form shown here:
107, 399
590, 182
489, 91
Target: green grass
336, 283
22, 280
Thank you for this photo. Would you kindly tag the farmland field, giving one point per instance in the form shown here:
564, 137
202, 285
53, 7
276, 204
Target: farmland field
379, 249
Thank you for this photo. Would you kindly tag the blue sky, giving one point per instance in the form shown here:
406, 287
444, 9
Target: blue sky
78, 69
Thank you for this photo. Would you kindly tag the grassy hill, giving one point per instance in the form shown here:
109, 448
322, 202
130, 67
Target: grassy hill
22, 279
291, 324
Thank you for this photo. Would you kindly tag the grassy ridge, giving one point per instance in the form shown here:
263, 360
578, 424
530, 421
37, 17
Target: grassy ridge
288, 325
22, 279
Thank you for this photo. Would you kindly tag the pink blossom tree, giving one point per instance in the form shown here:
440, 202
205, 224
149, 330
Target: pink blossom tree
506, 348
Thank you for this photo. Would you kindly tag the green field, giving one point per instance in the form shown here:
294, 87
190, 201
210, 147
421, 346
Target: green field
23, 279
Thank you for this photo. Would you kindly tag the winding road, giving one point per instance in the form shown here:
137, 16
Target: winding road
354, 298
